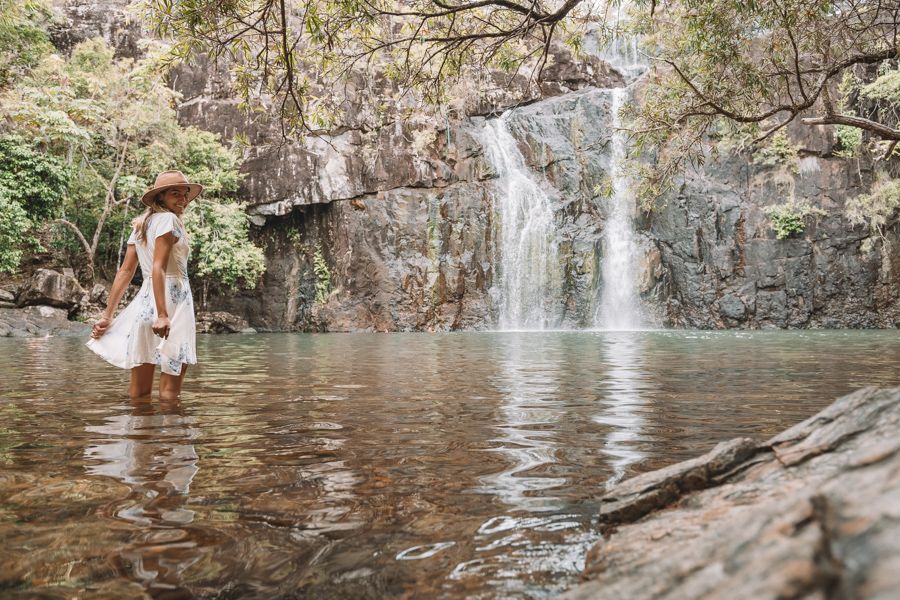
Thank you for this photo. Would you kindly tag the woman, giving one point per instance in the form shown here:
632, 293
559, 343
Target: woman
157, 327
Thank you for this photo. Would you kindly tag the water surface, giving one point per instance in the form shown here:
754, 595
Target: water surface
402, 465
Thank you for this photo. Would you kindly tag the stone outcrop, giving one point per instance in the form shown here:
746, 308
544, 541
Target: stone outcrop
7, 299
812, 512
52, 288
222, 322
39, 321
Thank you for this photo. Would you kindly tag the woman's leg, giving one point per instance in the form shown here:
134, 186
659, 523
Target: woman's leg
170, 385
141, 380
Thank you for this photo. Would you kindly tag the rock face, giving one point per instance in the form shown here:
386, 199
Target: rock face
813, 512
724, 266
87, 19
51, 288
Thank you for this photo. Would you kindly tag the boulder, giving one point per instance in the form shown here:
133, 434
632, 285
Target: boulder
51, 288
222, 322
812, 513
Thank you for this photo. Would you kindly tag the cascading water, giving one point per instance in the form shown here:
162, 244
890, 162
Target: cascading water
619, 307
528, 279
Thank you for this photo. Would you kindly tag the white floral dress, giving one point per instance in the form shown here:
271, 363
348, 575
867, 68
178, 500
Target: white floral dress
130, 341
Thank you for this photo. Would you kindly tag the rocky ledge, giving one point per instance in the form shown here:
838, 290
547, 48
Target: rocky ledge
813, 513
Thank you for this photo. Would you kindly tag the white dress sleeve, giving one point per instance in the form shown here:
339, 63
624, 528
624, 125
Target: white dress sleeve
166, 222
132, 239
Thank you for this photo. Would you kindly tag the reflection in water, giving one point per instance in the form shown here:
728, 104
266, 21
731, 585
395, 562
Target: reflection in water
151, 449
623, 403
529, 409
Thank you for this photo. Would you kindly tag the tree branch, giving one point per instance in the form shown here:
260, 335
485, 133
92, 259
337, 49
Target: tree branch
879, 129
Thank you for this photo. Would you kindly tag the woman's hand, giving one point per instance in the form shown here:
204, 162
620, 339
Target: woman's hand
100, 327
161, 327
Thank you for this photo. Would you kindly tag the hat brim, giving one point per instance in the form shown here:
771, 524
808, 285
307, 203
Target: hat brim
195, 189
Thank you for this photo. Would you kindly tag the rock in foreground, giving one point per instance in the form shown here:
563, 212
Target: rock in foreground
812, 513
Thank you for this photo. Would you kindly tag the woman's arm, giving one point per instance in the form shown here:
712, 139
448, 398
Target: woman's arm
120, 283
161, 253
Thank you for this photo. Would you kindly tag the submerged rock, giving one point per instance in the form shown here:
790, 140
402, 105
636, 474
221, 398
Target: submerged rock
813, 512
222, 322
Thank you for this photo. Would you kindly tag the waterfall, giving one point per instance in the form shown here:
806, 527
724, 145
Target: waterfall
619, 306
528, 278
528, 289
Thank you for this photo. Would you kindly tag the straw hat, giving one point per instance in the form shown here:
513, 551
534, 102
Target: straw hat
167, 180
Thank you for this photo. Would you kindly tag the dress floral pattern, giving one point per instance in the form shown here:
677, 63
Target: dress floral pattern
130, 340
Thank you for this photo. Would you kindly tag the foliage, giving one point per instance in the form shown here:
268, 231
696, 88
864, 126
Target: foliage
779, 151
848, 140
886, 88
225, 257
879, 208
604, 189
787, 219
23, 37
35, 180
199, 154
102, 129
323, 276
752, 64
14, 225
98, 113
759, 65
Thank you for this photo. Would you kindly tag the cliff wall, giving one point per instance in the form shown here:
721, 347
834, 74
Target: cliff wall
387, 223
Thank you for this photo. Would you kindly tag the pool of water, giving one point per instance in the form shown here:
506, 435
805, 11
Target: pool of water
392, 465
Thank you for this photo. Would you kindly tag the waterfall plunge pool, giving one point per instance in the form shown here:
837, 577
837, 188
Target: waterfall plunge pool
462, 465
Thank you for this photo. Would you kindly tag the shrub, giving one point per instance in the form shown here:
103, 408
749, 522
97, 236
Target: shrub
787, 219
14, 225
779, 152
878, 209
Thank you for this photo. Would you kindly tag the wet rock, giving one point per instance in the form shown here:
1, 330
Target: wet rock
810, 513
222, 322
636, 497
51, 288
39, 321
732, 307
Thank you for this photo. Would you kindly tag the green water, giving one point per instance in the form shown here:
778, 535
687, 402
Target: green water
353, 466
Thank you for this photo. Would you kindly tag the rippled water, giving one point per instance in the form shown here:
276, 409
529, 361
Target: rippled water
353, 466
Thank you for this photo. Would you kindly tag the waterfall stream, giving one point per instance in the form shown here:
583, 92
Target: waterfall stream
528, 280
619, 307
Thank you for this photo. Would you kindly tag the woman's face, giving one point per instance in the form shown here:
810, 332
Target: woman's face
176, 199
